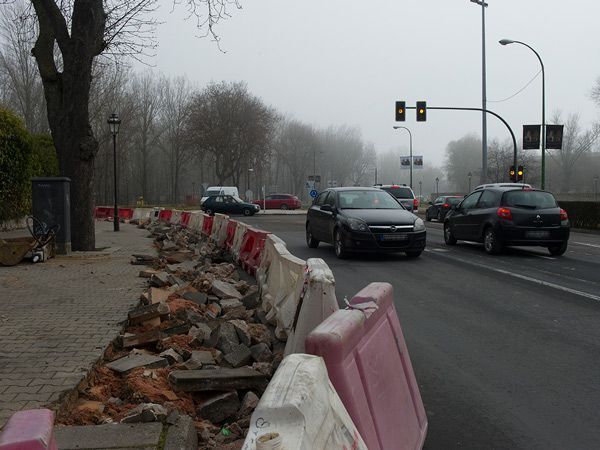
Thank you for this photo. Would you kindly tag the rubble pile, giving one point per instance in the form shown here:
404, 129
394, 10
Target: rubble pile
197, 344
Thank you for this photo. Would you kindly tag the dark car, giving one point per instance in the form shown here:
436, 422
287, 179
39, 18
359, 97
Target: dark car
500, 216
357, 219
279, 201
441, 206
403, 193
227, 204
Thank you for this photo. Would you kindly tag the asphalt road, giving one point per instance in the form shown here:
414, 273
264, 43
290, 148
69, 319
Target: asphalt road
506, 349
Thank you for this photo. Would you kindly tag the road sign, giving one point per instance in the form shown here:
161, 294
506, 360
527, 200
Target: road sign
318, 178
332, 183
313, 193
554, 136
531, 137
311, 178
405, 162
418, 162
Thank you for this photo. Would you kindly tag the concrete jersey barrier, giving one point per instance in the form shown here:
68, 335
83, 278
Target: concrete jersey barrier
219, 229
142, 213
196, 221
315, 301
368, 363
32, 429
301, 405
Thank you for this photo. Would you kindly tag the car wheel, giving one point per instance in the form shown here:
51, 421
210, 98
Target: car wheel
491, 242
558, 250
427, 218
247, 212
414, 253
310, 240
209, 212
284, 206
439, 216
449, 238
338, 244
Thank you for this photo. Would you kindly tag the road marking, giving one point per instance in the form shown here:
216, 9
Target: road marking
530, 279
589, 245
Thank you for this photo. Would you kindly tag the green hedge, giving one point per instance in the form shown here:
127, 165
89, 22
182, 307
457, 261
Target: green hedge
21, 157
583, 214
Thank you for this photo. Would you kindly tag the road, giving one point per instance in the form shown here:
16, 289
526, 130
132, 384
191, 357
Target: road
506, 349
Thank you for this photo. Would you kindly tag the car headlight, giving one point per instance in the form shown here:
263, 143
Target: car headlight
357, 225
419, 225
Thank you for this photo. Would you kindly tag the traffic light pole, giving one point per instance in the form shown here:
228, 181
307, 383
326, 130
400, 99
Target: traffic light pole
487, 111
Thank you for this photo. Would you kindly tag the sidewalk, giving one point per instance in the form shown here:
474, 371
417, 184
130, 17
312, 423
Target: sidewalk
57, 317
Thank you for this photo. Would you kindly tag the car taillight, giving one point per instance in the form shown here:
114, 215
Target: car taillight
445, 205
563, 215
416, 202
504, 213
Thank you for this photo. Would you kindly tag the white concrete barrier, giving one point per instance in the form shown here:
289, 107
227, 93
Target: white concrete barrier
301, 405
280, 279
175, 217
155, 212
240, 231
316, 302
143, 214
219, 229
196, 221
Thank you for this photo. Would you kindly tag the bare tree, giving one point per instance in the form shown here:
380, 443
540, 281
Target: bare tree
362, 163
70, 35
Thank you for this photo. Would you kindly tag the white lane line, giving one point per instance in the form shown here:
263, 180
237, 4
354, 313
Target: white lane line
586, 244
526, 278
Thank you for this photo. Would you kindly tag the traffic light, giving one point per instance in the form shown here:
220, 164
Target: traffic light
400, 111
513, 174
520, 172
421, 111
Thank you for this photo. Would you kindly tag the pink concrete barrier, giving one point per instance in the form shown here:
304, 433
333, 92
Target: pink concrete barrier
252, 249
125, 213
231, 227
29, 430
165, 215
368, 363
185, 218
207, 224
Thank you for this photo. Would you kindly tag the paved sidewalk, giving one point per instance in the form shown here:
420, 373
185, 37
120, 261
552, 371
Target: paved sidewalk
57, 317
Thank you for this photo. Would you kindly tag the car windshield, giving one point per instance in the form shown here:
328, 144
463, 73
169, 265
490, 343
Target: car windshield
454, 200
529, 199
237, 200
399, 191
367, 200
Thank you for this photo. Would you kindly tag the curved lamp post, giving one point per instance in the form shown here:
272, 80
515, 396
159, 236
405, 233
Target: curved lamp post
113, 123
396, 127
508, 42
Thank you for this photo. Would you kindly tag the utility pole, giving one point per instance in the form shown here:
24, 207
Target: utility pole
483, 94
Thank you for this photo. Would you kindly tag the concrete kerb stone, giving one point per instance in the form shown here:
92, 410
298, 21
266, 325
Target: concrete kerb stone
110, 436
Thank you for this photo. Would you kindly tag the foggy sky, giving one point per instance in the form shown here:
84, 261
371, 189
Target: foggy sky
347, 61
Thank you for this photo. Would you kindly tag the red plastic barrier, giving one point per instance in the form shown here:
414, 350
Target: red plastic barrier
31, 429
231, 227
207, 224
252, 249
368, 363
185, 218
103, 212
126, 213
165, 215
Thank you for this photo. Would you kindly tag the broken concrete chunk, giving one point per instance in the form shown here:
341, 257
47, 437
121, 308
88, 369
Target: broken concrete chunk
225, 290
148, 312
160, 279
158, 295
251, 299
134, 340
217, 380
200, 298
169, 245
147, 273
220, 407
239, 356
146, 412
223, 337
260, 334
201, 331
261, 353
199, 359
228, 304
213, 310
171, 356
249, 404
241, 328
127, 363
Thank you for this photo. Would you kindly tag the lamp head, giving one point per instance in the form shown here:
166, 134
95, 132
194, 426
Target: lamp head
506, 42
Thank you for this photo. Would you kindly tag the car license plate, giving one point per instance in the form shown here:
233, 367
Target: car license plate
394, 237
537, 234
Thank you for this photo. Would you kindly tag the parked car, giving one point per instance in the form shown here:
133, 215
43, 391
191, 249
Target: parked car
440, 207
220, 190
228, 204
507, 185
503, 216
362, 219
403, 193
279, 201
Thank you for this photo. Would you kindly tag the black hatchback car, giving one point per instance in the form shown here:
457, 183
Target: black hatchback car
501, 216
357, 219
441, 206
227, 204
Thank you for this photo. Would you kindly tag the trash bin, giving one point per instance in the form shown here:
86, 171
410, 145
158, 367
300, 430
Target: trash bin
52, 206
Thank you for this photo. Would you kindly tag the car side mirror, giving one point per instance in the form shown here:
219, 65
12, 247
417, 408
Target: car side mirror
430, 203
327, 208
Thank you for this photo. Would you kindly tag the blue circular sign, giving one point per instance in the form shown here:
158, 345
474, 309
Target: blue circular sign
314, 193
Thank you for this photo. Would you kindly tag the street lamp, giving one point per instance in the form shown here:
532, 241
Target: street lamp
470, 176
420, 189
437, 187
483, 5
596, 178
508, 42
250, 170
113, 123
397, 127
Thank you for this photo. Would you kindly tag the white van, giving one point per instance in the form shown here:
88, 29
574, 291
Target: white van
220, 190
